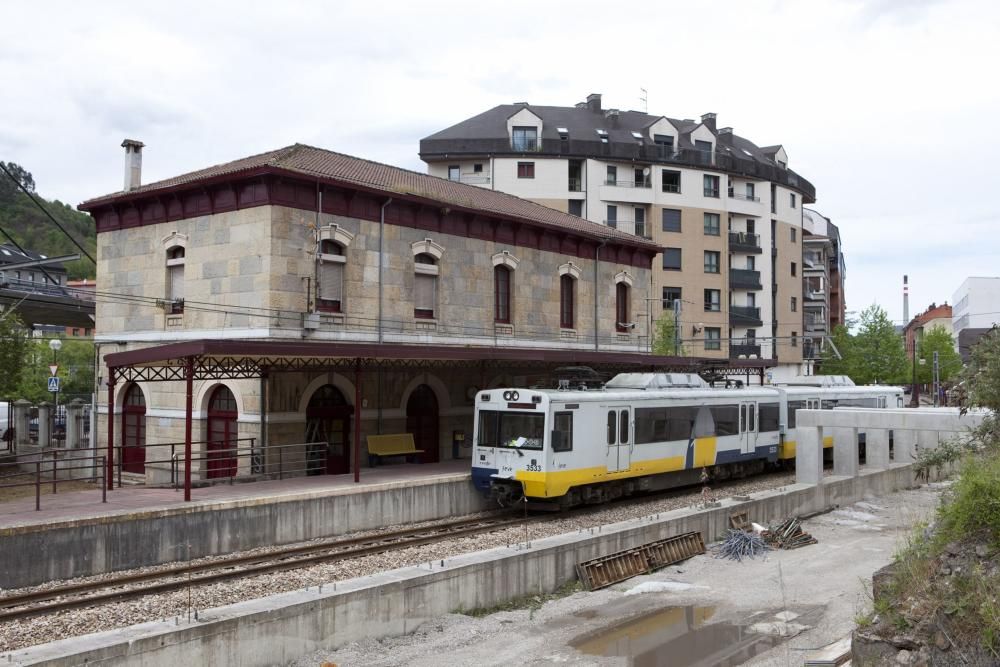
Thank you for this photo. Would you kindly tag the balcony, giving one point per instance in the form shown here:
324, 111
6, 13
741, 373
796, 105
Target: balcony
744, 279
640, 228
736, 195
575, 185
520, 145
745, 316
744, 242
633, 192
630, 184
674, 188
737, 350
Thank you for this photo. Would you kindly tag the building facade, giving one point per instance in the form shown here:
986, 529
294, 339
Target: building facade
823, 273
975, 310
305, 246
934, 316
727, 213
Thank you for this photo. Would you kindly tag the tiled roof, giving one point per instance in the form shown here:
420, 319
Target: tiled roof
318, 162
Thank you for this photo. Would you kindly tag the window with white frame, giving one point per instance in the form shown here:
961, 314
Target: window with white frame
425, 282
332, 261
175, 279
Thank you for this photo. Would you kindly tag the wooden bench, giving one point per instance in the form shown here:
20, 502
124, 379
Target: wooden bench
395, 444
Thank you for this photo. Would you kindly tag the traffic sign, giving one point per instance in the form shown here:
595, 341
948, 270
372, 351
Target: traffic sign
53, 369
53, 384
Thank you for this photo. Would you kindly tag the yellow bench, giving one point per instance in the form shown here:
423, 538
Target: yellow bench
396, 444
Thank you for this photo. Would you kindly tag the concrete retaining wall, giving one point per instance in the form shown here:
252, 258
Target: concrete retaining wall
281, 628
35, 554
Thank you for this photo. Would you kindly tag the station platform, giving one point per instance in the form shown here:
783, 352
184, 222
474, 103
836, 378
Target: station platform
75, 534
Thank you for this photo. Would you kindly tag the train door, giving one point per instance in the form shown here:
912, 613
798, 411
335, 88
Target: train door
619, 437
748, 427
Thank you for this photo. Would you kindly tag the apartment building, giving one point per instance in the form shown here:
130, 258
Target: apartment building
726, 212
976, 310
934, 316
823, 272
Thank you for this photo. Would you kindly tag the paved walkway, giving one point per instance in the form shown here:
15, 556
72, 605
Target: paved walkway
79, 505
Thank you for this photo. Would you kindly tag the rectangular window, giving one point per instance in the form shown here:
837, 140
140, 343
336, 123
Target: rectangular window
454, 172
671, 220
477, 168
424, 295
566, 298
640, 221
774, 198
713, 338
505, 429
792, 230
712, 300
791, 196
750, 192
711, 261
670, 181
562, 432
666, 424
727, 419
612, 427
712, 224
794, 268
768, 416
795, 304
612, 178
671, 259
704, 149
524, 139
576, 207
711, 184
665, 146
612, 219
525, 169
795, 339
670, 294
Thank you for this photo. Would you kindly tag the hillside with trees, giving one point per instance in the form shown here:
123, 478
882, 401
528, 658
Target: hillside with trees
22, 219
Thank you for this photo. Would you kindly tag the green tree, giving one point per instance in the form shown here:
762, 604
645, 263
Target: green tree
937, 339
664, 333
879, 355
76, 371
839, 358
980, 381
14, 347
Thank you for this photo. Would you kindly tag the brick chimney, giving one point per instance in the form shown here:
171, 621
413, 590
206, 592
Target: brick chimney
133, 164
594, 102
709, 121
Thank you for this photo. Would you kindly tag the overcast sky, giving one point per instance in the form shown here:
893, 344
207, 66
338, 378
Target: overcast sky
889, 107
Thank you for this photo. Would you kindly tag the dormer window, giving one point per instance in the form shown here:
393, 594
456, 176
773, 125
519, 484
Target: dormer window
175, 280
332, 259
603, 134
563, 133
524, 138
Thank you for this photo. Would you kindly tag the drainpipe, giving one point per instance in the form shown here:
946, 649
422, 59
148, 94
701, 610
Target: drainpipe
597, 257
381, 239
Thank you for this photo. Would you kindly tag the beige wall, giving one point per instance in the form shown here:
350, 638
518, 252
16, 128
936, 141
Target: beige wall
788, 286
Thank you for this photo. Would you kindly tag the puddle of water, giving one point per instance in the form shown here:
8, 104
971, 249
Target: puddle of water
678, 637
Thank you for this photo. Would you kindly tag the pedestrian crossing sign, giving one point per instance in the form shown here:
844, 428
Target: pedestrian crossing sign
54, 384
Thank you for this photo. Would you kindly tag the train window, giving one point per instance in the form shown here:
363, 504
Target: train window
751, 417
623, 428
830, 405
511, 429
488, 421
612, 426
562, 434
792, 407
727, 419
768, 416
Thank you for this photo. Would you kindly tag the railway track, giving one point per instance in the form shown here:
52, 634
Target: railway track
179, 577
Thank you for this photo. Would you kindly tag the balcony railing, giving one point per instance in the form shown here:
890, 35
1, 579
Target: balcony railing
744, 279
737, 350
736, 195
744, 242
640, 228
629, 184
475, 179
525, 145
575, 185
672, 187
625, 151
748, 315
712, 192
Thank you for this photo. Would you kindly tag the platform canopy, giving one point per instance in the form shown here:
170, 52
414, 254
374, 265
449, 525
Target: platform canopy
222, 359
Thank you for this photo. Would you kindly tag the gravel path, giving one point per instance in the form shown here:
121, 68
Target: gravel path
20, 634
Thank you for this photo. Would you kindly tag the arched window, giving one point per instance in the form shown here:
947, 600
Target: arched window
622, 294
175, 279
332, 259
501, 294
425, 281
567, 299
134, 430
222, 433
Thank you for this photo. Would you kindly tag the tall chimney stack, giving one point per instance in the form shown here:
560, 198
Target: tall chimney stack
133, 164
906, 300
594, 102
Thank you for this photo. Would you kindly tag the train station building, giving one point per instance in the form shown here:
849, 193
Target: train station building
272, 313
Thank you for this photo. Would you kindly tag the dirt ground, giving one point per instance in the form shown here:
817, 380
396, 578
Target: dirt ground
828, 584
8, 493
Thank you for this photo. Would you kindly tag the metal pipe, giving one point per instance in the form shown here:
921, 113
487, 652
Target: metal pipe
110, 475
597, 260
381, 241
357, 422
189, 381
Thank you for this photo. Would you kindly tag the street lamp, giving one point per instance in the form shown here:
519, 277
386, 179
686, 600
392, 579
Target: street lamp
55, 344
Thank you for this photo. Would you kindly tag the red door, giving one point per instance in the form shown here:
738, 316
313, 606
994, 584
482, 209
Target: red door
328, 428
222, 434
422, 422
134, 431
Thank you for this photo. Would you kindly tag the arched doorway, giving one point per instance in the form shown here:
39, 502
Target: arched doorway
422, 421
134, 430
328, 420
222, 433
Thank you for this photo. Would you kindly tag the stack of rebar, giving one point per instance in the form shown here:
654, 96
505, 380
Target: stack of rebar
787, 535
740, 544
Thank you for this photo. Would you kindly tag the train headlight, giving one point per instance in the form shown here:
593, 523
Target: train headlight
507, 396
514, 396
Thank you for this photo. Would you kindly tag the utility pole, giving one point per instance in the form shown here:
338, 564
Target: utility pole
937, 379
677, 327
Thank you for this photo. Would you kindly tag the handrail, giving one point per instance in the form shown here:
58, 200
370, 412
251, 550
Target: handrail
93, 463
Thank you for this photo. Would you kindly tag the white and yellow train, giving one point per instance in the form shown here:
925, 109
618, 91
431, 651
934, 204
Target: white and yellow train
642, 432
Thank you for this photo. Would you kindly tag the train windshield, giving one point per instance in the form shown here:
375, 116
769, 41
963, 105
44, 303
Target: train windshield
518, 430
